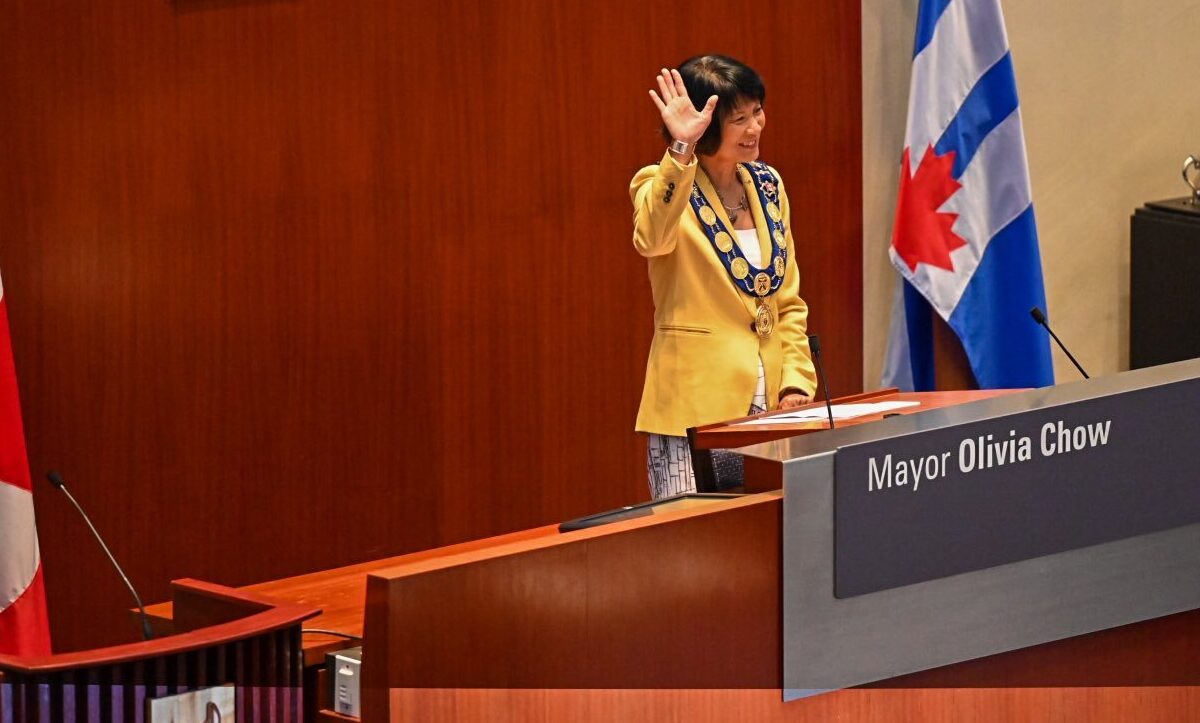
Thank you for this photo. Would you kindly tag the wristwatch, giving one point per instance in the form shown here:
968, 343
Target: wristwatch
681, 147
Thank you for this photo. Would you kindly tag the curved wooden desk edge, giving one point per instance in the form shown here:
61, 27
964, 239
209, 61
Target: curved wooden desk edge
266, 615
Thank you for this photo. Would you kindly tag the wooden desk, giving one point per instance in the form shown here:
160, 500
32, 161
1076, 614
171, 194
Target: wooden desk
340, 593
678, 616
718, 658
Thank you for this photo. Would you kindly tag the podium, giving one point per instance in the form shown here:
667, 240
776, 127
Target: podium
219, 636
741, 433
940, 537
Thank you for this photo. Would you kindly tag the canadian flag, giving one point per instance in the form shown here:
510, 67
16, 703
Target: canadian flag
24, 626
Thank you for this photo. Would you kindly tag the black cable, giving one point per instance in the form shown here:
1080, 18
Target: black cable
336, 634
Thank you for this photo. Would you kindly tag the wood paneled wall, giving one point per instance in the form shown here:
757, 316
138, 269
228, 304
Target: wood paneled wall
300, 283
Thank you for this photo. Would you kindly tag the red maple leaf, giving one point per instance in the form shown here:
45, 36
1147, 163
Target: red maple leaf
923, 234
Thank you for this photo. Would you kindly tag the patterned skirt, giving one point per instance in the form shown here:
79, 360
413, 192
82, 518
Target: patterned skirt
669, 459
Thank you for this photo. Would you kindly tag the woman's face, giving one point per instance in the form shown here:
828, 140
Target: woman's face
741, 133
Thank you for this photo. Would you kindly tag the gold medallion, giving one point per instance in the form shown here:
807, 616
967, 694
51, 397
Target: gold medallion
773, 211
707, 215
762, 284
764, 320
740, 268
780, 241
723, 241
779, 266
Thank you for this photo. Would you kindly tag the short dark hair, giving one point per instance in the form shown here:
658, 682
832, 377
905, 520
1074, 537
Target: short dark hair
730, 80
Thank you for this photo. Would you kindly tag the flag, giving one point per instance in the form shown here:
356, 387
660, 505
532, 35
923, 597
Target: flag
24, 626
964, 240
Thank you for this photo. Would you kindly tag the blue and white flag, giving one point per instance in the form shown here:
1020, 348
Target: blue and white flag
964, 238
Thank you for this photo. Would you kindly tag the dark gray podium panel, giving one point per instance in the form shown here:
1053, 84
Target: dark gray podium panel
942, 502
832, 643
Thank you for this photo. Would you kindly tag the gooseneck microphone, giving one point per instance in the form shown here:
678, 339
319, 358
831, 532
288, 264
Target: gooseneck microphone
1040, 318
814, 343
57, 480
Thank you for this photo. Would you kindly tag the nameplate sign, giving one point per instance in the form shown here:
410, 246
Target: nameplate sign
947, 501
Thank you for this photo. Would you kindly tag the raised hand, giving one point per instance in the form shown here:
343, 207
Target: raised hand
681, 118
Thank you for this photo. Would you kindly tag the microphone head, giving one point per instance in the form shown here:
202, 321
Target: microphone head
814, 343
1037, 315
55, 479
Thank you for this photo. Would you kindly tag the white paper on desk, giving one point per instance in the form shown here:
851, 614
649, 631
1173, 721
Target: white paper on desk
840, 411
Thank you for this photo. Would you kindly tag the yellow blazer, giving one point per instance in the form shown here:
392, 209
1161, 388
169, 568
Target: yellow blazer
703, 364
